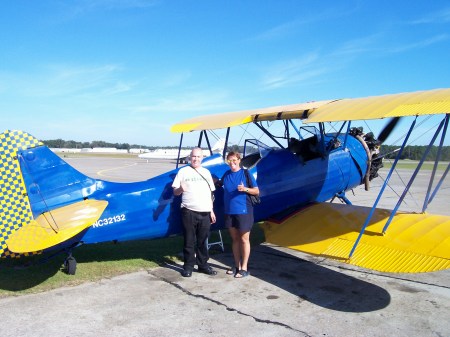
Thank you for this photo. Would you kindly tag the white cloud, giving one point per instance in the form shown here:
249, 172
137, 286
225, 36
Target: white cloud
288, 73
418, 44
358, 46
90, 5
279, 31
63, 80
438, 17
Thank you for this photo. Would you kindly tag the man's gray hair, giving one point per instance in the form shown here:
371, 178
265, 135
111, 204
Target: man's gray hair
197, 148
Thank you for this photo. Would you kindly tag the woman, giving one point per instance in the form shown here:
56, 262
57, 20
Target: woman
238, 212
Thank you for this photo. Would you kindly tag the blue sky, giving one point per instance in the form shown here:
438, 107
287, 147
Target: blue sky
125, 71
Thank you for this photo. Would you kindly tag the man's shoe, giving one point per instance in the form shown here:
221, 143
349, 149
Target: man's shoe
207, 271
186, 273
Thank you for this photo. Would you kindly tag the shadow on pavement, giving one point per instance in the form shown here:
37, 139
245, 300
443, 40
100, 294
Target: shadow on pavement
311, 282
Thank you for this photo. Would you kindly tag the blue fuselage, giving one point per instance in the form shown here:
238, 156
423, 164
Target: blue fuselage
148, 209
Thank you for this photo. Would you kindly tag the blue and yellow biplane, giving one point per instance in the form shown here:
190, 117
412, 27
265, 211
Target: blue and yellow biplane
47, 205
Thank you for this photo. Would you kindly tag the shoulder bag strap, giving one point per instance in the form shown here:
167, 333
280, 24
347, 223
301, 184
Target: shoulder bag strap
202, 177
247, 177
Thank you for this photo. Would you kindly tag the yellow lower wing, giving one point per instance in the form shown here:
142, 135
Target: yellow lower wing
56, 226
413, 243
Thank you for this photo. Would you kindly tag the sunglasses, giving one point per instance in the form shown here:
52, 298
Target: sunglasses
229, 161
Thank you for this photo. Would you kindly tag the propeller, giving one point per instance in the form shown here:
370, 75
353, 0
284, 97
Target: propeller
384, 134
375, 162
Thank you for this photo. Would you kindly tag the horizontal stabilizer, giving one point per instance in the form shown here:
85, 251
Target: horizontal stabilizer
413, 242
56, 226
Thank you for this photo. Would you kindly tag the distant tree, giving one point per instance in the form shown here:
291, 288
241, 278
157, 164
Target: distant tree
71, 144
415, 152
124, 146
54, 143
235, 148
98, 143
412, 152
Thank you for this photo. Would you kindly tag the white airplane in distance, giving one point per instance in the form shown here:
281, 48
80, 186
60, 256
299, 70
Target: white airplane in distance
166, 153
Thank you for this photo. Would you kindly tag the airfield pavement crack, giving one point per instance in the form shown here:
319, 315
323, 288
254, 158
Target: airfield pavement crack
189, 293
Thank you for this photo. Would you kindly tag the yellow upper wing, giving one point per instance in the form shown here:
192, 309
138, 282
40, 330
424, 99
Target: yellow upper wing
376, 107
407, 104
229, 119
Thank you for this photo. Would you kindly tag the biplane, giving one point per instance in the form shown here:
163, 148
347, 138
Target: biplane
46, 205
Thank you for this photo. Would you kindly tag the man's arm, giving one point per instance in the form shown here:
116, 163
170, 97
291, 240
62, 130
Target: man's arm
178, 190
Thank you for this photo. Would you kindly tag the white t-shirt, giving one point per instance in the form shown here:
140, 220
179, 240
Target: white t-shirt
197, 193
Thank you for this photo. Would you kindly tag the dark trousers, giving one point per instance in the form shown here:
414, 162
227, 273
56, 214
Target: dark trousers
196, 226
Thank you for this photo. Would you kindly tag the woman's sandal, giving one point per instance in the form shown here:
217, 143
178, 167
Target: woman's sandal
233, 271
242, 273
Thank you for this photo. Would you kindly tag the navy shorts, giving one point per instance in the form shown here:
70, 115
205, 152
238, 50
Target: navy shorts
242, 222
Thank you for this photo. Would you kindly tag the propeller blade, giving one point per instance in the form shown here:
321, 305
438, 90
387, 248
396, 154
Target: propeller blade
384, 134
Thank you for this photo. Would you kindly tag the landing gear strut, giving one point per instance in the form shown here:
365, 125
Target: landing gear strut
341, 196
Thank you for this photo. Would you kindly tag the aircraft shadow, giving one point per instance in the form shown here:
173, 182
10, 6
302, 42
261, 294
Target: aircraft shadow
15, 276
311, 282
18, 276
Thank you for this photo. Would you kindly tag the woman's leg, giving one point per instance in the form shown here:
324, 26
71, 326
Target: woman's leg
244, 243
236, 246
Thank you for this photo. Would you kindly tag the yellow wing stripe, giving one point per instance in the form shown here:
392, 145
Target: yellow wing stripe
14, 205
56, 226
413, 242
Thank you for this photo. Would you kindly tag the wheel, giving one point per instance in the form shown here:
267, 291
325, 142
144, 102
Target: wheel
70, 265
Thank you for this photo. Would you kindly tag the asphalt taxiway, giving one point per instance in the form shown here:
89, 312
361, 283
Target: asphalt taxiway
287, 294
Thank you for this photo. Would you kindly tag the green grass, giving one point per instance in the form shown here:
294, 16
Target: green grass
96, 262
411, 165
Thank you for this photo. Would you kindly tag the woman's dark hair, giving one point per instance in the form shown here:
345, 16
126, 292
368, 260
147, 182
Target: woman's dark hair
235, 154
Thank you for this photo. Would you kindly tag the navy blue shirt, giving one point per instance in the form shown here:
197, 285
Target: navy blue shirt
235, 202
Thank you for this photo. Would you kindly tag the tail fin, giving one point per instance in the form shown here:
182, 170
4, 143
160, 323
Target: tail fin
14, 204
218, 146
43, 200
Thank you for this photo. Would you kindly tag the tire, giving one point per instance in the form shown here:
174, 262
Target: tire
70, 265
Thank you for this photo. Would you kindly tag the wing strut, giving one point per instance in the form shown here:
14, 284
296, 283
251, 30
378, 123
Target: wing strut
372, 211
439, 184
413, 177
226, 143
347, 133
337, 135
436, 162
296, 129
269, 135
207, 142
179, 148
322, 138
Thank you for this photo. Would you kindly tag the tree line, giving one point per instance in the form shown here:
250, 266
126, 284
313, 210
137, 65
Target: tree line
71, 144
413, 152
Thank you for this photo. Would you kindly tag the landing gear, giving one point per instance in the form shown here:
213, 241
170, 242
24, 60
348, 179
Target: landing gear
341, 196
70, 265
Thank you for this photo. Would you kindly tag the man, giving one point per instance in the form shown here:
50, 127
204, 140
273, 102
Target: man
195, 184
